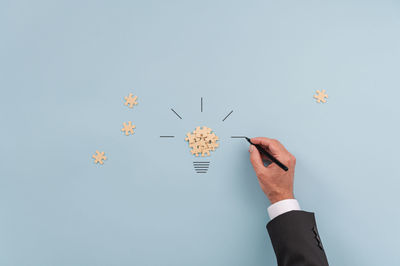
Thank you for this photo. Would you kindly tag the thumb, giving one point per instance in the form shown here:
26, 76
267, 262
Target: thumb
255, 159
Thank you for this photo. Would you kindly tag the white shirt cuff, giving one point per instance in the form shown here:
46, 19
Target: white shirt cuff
283, 206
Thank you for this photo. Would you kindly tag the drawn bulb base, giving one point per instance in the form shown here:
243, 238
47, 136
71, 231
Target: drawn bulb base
201, 167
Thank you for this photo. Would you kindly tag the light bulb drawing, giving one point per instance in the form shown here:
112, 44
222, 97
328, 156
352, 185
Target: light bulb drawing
202, 141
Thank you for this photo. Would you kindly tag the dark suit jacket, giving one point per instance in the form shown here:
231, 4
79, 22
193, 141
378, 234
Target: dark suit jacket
295, 239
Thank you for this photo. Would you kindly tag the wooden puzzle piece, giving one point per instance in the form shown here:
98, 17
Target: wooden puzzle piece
128, 128
131, 101
213, 146
99, 157
191, 138
205, 153
320, 96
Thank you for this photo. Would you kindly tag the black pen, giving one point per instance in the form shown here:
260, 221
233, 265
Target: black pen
270, 157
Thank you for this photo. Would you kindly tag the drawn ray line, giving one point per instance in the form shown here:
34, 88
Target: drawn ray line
176, 113
227, 115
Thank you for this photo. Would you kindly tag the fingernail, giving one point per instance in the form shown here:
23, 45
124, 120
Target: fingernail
251, 148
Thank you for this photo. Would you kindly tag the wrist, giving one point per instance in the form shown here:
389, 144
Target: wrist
275, 197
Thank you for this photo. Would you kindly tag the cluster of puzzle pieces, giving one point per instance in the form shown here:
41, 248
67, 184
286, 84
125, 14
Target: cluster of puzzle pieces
202, 140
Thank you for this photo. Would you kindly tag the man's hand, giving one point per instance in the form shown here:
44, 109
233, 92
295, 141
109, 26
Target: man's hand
275, 182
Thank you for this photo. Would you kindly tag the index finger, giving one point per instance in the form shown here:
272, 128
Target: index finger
273, 145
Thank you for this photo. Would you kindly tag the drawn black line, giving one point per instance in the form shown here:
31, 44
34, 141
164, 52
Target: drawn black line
201, 162
227, 115
176, 113
201, 104
238, 137
167, 136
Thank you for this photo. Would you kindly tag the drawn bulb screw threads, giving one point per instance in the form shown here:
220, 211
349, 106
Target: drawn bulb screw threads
201, 167
201, 141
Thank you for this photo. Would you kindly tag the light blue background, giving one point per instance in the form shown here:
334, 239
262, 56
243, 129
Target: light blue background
66, 65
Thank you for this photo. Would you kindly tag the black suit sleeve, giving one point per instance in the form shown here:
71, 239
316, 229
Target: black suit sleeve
295, 239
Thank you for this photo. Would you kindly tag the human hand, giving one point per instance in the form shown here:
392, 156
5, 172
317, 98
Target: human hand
276, 183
